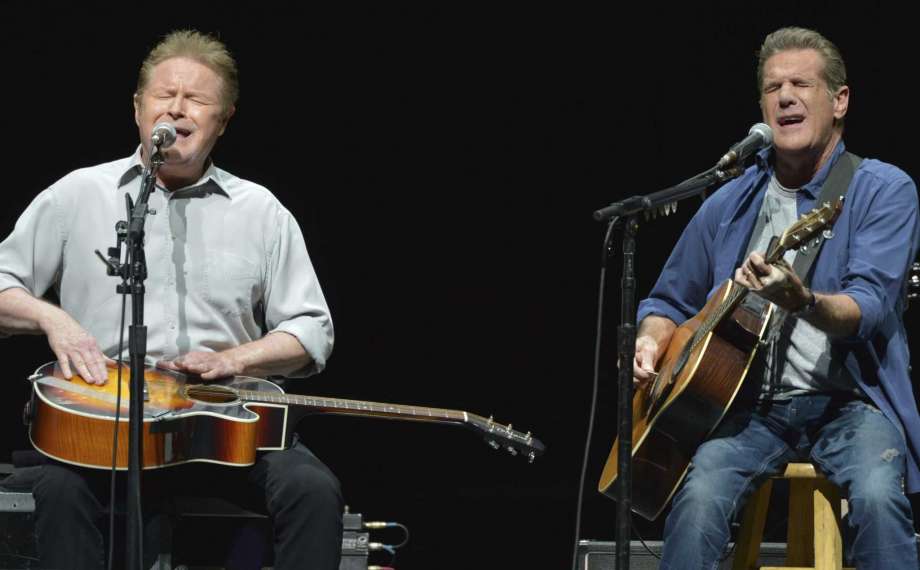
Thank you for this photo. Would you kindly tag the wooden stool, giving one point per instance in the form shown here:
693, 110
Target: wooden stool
814, 541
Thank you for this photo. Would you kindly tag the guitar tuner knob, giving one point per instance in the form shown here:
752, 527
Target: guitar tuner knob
509, 427
527, 436
493, 444
531, 456
512, 450
491, 419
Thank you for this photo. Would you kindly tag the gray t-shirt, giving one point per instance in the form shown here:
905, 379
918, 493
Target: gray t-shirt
798, 357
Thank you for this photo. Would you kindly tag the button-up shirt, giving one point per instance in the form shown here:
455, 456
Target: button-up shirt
227, 263
873, 243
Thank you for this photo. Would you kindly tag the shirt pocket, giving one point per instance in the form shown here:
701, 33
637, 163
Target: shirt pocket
231, 283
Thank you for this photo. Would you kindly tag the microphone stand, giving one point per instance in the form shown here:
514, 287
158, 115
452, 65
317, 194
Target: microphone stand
630, 209
133, 273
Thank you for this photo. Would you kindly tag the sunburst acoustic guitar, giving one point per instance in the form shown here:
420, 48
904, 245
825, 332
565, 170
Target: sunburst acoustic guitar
223, 422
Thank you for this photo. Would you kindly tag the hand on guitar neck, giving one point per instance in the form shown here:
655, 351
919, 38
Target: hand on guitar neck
776, 283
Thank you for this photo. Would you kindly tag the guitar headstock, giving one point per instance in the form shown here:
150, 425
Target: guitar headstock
499, 436
806, 228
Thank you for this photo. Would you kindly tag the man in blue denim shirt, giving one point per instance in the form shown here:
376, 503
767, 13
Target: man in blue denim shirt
836, 390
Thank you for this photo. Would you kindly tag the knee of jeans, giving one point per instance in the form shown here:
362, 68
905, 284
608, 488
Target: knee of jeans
704, 492
876, 490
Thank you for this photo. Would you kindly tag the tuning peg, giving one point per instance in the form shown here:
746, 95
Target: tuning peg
493, 444
527, 436
531, 456
512, 450
509, 427
491, 419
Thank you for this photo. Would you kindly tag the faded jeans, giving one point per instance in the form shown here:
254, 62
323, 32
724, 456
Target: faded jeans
850, 441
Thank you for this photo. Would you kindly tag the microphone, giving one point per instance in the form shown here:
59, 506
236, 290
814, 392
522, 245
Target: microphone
760, 136
164, 135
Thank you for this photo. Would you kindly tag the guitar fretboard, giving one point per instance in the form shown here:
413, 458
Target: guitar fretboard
738, 293
356, 407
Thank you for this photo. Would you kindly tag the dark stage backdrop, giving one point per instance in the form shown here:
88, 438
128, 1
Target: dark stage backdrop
443, 164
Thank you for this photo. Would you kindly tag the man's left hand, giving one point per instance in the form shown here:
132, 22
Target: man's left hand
208, 365
777, 283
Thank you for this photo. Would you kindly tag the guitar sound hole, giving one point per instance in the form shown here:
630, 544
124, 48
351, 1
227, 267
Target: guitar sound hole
211, 394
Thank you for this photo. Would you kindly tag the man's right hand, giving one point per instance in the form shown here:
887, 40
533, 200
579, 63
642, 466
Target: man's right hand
653, 336
76, 349
644, 363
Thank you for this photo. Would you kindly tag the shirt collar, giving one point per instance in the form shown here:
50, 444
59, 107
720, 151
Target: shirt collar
764, 161
211, 180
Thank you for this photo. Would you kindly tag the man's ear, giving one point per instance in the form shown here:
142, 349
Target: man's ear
841, 102
137, 109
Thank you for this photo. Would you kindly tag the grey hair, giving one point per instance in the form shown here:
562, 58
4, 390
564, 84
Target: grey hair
792, 38
202, 48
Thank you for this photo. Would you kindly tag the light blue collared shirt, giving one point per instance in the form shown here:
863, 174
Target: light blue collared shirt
227, 263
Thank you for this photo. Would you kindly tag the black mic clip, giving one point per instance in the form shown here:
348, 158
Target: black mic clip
727, 174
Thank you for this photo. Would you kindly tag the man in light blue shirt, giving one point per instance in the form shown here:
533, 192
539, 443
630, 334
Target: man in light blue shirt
231, 291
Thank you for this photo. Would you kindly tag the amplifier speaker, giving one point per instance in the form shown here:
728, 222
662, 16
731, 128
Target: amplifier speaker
600, 555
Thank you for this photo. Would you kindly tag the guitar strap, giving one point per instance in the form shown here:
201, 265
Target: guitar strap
835, 187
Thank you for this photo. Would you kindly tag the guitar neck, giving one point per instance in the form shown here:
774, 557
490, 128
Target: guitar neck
340, 406
735, 296
496, 435
739, 292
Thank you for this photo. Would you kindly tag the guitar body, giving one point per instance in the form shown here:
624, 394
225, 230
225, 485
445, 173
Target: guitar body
73, 421
698, 379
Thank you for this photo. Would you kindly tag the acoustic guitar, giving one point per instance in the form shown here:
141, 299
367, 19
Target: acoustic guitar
699, 377
222, 422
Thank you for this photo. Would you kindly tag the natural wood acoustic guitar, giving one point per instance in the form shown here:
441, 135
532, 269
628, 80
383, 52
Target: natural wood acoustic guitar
699, 377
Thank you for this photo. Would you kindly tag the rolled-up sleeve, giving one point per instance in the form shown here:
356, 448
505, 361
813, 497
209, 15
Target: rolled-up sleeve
294, 301
883, 244
686, 279
31, 256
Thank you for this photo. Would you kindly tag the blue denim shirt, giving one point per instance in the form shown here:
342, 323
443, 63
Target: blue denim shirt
874, 241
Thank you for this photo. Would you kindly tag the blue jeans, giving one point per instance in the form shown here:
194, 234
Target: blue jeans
850, 441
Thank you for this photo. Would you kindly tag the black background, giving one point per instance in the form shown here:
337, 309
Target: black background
443, 163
